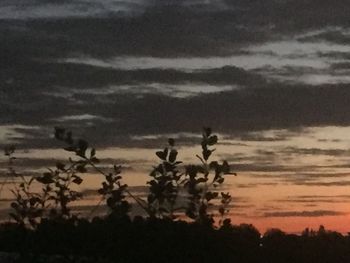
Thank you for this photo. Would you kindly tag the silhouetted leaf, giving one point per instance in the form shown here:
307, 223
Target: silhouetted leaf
210, 195
45, 179
117, 169
171, 142
202, 180
92, 152
77, 180
206, 154
172, 156
82, 145
60, 166
162, 154
207, 131
225, 167
212, 140
220, 180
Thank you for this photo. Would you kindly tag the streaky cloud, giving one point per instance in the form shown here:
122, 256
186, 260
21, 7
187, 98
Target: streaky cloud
316, 213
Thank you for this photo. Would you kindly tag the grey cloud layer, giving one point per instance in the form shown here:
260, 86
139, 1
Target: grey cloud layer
123, 114
168, 29
37, 91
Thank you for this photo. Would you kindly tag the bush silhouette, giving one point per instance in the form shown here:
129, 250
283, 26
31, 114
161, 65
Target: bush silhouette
165, 186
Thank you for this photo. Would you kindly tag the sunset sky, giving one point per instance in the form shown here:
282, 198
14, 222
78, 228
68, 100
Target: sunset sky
271, 77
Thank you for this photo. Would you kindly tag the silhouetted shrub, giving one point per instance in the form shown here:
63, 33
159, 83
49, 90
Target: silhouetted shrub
165, 184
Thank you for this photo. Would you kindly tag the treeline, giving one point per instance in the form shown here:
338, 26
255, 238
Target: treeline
164, 240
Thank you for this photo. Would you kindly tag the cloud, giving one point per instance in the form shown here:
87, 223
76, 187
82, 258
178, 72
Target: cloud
60, 9
336, 55
334, 35
82, 117
91, 74
256, 137
315, 151
341, 66
28, 71
254, 185
315, 199
315, 176
326, 184
316, 213
158, 28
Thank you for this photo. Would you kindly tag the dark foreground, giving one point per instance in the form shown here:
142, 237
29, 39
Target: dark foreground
154, 240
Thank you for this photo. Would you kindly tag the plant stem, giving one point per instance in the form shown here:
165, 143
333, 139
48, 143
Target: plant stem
136, 199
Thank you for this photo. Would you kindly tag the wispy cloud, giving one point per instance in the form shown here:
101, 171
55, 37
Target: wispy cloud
316, 151
315, 199
326, 184
316, 213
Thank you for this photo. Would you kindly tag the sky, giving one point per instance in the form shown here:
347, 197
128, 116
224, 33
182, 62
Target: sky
271, 77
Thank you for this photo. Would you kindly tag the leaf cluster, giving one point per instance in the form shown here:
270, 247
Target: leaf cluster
174, 188
164, 185
203, 181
